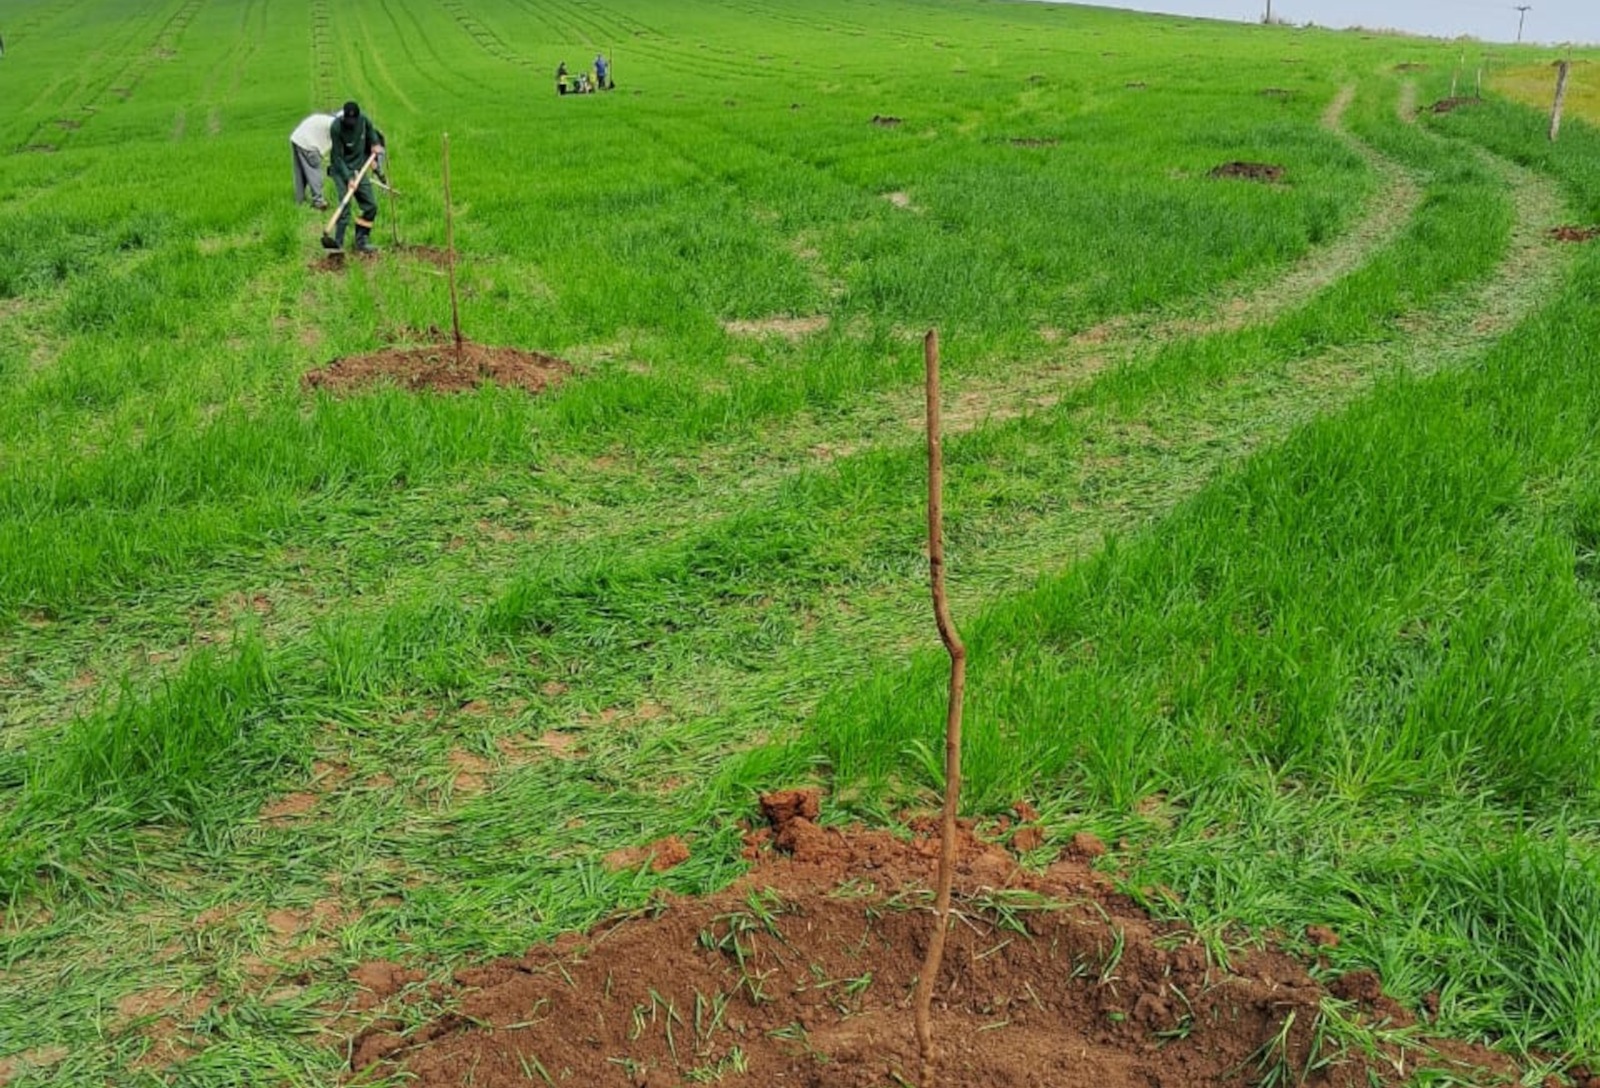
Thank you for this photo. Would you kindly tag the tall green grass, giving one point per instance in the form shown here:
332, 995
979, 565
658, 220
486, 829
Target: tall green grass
1360, 672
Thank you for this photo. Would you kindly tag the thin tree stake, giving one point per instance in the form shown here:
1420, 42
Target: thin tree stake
450, 250
952, 727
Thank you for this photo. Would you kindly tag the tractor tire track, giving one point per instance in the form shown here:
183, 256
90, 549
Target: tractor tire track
1139, 461
323, 70
87, 82
433, 72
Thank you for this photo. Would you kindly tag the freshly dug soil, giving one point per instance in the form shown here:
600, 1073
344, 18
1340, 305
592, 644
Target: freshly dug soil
802, 974
1411, 66
435, 367
1446, 105
886, 122
337, 260
1249, 171
1575, 234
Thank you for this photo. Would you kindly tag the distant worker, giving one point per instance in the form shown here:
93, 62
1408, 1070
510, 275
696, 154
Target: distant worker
355, 139
602, 72
311, 144
561, 78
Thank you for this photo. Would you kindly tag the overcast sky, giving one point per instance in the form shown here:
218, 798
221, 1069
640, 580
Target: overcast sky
1551, 21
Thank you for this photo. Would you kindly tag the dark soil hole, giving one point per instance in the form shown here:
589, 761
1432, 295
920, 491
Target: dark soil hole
1136, 85
1277, 92
435, 368
1575, 234
886, 122
68, 123
798, 974
1034, 141
39, 149
1249, 171
1445, 105
1411, 66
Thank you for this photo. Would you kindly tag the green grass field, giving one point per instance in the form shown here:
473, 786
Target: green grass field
1273, 512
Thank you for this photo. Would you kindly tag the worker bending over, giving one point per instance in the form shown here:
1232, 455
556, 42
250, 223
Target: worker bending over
354, 139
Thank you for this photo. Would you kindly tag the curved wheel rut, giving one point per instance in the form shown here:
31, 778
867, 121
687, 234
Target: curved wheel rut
1133, 467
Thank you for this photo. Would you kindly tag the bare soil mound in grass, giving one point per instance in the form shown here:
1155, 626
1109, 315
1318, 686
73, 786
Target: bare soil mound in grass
436, 368
337, 260
1411, 66
1575, 234
1446, 105
886, 122
802, 974
1249, 171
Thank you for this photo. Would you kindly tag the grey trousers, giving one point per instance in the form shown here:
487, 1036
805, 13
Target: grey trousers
307, 174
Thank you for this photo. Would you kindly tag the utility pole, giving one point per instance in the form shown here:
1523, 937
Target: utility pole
1522, 14
1268, 19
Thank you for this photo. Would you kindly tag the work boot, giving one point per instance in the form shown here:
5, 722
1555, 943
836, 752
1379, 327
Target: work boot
338, 234
364, 240
320, 204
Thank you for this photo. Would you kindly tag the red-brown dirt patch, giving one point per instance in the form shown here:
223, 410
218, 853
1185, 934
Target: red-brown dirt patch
667, 853
1249, 171
437, 368
1575, 234
1446, 105
800, 974
288, 809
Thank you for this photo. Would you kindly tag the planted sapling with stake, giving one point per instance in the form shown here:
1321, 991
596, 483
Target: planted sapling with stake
952, 730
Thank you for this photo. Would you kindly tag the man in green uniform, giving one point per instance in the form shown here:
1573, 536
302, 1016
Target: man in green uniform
355, 138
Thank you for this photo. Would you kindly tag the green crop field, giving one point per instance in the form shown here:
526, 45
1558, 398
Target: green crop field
1273, 509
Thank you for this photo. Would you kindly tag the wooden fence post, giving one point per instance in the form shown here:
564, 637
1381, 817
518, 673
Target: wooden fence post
1563, 70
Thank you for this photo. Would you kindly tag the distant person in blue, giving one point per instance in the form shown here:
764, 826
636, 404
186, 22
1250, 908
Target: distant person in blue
602, 72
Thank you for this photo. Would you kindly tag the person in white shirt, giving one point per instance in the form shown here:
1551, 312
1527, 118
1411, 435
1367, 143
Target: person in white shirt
311, 143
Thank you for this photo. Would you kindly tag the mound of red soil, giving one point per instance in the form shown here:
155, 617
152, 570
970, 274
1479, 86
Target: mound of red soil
1575, 234
886, 122
437, 368
1249, 171
1446, 105
801, 974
